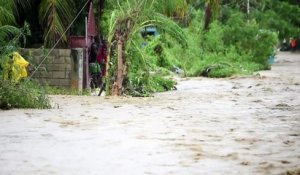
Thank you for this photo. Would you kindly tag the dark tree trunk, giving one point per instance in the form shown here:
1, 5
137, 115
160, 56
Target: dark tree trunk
207, 16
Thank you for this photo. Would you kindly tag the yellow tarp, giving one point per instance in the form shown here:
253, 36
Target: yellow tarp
18, 67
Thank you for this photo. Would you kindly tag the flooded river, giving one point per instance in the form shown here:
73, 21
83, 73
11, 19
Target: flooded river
242, 125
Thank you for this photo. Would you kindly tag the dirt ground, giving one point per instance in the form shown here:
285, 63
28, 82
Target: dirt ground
242, 125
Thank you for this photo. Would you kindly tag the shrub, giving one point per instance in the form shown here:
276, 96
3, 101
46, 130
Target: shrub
148, 70
15, 93
236, 47
143, 86
249, 39
25, 94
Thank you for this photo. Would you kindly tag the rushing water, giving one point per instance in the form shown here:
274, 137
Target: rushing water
244, 125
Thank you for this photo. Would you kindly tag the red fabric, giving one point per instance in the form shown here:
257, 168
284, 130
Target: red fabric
293, 43
102, 59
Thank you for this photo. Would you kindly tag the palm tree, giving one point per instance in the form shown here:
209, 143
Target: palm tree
7, 20
55, 16
7, 32
126, 21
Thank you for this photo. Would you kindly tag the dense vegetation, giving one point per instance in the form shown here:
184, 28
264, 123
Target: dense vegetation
14, 92
218, 42
213, 38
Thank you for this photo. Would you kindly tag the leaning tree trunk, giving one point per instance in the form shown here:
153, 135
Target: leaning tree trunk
212, 10
117, 87
207, 16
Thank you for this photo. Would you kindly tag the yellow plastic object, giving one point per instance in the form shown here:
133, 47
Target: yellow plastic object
18, 67
22, 63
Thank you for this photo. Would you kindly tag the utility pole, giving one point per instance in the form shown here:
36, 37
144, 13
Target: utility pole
87, 85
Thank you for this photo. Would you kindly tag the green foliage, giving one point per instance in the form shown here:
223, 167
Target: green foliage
280, 16
178, 10
21, 94
161, 84
7, 32
235, 47
149, 69
215, 7
157, 54
238, 44
10, 42
25, 94
148, 84
248, 38
104, 23
18, 94
126, 22
12, 38
7, 13
55, 16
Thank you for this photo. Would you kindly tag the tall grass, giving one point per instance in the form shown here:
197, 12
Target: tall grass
22, 95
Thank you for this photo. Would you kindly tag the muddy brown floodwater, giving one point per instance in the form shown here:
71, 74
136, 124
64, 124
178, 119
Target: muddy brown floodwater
242, 125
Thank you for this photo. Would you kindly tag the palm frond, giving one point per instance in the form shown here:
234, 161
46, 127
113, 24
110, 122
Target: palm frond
142, 14
6, 13
112, 25
17, 4
170, 27
7, 32
55, 16
54, 32
9, 10
23, 3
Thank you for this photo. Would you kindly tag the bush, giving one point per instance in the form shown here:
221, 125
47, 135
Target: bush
249, 39
236, 47
25, 94
146, 76
144, 86
15, 92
